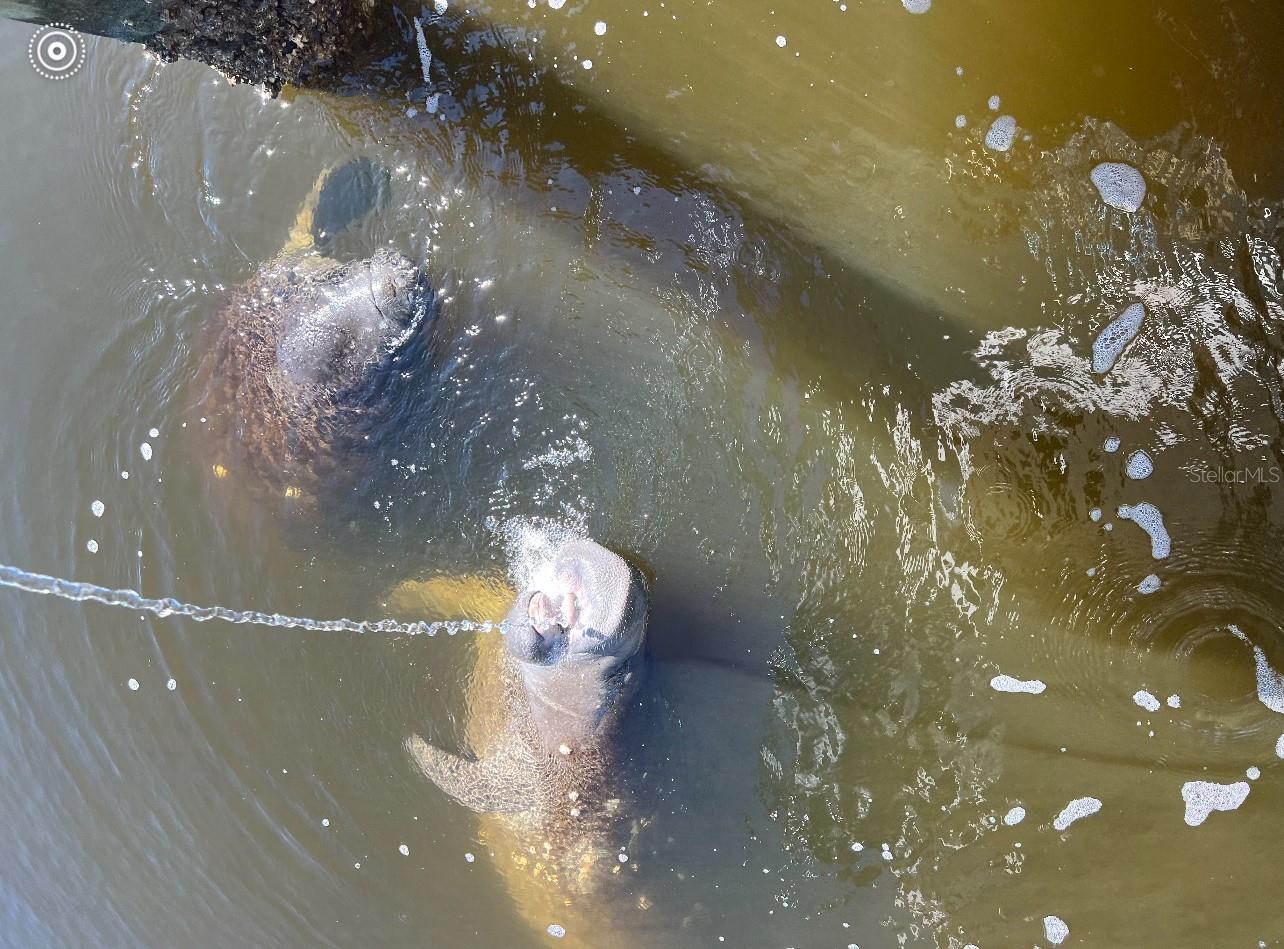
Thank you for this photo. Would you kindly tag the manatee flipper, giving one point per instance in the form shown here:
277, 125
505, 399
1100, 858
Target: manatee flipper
481, 598
493, 785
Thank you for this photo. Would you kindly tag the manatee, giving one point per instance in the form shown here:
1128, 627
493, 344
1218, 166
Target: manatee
300, 376
544, 763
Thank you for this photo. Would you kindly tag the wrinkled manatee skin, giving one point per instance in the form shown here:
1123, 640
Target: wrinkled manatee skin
544, 764
304, 370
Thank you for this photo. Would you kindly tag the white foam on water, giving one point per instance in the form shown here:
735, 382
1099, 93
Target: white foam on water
1270, 684
153, 433
1145, 700
600, 27
171, 684
133, 685
98, 508
554, 930
960, 121
781, 41
1111, 444
91, 545
857, 847
1204, 797
1149, 584
1095, 514
1077, 809
469, 857
994, 103
1253, 772
1148, 517
1139, 466
556, 4
425, 54
1055, 930
917, 6
1007, 683
145, 450
440, 6
404, 850
1002, 133
587, 64
325, 822
1014, 816
1174, 701
1121, 186
1114, 339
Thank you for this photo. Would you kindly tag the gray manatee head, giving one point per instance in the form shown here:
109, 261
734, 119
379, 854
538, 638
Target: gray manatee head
576, 634
342, 322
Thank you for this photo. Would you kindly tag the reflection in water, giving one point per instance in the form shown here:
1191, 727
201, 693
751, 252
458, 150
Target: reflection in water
907, 686
1026, 444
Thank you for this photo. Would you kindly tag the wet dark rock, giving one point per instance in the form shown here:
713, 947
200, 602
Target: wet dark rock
272, 43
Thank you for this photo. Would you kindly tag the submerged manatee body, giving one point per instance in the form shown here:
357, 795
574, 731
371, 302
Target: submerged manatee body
544, 731
301, 370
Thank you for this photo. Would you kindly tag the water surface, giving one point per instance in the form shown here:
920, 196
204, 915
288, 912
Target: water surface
764, 318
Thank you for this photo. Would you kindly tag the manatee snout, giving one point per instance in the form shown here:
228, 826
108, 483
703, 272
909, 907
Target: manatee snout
572, 658
585, 602
549, 617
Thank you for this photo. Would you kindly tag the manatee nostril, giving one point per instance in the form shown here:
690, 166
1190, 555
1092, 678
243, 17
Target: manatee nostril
543, 614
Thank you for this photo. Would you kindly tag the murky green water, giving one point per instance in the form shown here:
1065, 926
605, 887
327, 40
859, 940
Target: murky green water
760, 316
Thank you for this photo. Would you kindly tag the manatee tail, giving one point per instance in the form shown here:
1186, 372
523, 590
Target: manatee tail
342, 197
489, 786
